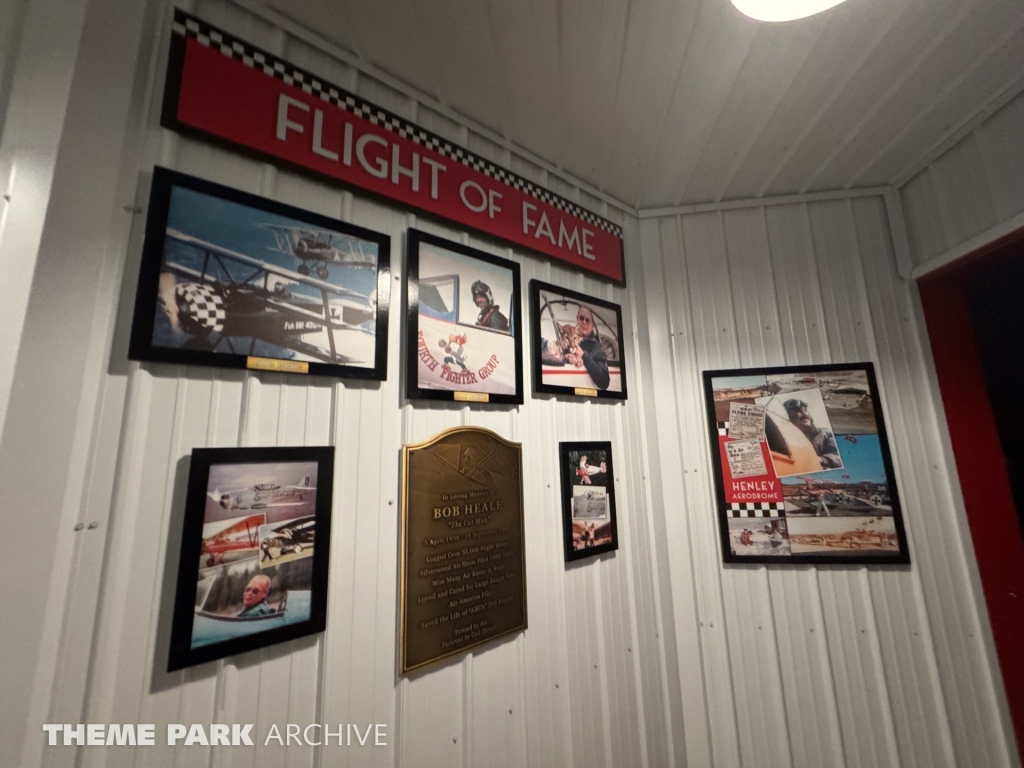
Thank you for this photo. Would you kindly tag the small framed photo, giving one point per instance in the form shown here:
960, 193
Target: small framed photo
802, 466
254, 551
465, 339
588, 499
577, 343
234, 280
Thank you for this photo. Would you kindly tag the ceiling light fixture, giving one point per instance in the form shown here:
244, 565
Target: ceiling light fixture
783, 10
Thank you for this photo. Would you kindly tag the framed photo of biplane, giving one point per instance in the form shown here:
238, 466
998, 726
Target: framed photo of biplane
464, 337
254, 551
577, 343
588, 499
234, 280
802, 467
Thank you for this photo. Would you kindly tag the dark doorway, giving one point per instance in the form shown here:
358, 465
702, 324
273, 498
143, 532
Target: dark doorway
995, 296
975, 314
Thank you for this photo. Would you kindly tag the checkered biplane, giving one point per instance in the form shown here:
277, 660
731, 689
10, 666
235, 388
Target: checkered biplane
229, 300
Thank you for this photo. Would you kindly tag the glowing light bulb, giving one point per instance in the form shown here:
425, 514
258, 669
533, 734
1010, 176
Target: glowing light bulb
783, 10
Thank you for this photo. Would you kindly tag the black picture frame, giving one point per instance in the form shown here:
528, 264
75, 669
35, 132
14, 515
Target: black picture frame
478, 376
853, 487
542, 299
274, 305
201, 632
571, 456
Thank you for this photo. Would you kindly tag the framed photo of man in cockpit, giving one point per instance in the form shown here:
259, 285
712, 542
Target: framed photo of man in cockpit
464, 338
577, 344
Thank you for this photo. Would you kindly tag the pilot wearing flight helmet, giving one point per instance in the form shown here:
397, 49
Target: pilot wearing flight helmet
490, 316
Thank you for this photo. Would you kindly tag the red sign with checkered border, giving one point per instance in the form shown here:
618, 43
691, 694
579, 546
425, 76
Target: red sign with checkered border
223, 88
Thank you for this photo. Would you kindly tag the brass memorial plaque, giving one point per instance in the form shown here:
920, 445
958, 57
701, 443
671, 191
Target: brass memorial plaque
463, 578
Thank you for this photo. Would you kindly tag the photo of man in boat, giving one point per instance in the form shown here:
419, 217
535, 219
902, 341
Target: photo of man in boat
254, 598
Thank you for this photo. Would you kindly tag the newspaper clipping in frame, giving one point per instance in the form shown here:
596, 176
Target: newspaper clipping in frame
745, 458
746, 421
804, 468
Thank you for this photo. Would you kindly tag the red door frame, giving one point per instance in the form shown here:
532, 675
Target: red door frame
989, 503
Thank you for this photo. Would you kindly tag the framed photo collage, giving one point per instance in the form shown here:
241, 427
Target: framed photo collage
802, 466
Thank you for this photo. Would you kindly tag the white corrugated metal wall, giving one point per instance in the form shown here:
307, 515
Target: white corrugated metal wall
972, 194
802, 666
592, 682
656, 656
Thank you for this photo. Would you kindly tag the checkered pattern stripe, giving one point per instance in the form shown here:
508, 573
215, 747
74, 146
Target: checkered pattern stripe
201, 305
772, 509
186, 25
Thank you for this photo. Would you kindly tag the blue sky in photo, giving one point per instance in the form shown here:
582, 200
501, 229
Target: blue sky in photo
861, 461
244, 229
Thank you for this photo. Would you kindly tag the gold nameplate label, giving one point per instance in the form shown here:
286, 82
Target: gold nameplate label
585, 392
271, 364
473, 397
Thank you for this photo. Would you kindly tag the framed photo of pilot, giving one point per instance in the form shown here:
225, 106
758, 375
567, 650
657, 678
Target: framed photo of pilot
577, 343
464, 339
235, 280
254, 551
588, 499
802, 467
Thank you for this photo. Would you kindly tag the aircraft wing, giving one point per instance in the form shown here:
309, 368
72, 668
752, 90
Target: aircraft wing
216, 493
273, 269
233, 527
283, 228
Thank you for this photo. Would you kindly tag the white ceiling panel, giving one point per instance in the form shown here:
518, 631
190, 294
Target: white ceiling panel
469, 74
899, 51
813, 93
718, 49
998, 74
746, 109
669, 102
658, 35
526, 45
980, 36
593, 38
